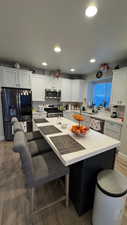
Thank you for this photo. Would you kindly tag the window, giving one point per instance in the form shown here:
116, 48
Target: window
102, 94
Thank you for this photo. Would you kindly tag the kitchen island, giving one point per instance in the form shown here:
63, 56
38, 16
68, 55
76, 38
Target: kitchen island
97, 153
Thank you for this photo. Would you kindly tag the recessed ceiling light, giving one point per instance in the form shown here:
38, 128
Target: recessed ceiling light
44, 64
72, 70
91, 11
92, 60
57, 49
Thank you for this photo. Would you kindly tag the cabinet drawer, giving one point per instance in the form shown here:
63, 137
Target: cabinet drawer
112, 134
113, 126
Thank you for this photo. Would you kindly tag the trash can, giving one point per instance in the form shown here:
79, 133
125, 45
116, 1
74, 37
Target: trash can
110, 198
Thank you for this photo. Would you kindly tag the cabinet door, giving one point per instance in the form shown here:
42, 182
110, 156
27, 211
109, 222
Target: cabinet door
24, 79
9, 77
77, 90
112, 129
53, 82
119, 90
37, 88
66, 90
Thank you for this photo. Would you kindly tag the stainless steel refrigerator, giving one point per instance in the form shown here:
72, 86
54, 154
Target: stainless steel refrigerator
16, 102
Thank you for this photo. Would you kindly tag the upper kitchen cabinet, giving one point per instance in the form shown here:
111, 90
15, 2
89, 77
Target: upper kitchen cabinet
38, 87
42, 82
24, 79
53, 82
66, 90
119, 87
72, 90
77, 90
10, 77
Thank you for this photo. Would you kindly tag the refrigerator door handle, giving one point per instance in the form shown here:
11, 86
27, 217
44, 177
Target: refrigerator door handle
18, 103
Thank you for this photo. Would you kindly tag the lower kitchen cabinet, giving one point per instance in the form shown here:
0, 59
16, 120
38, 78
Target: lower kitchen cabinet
113, 129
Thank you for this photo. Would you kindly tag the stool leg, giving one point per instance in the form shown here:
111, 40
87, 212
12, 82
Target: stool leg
67, 189
32, 199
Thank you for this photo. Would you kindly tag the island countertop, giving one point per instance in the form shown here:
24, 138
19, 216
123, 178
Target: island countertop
93, 142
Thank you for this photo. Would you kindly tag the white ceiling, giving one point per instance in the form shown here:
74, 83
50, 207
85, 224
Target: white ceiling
30, 28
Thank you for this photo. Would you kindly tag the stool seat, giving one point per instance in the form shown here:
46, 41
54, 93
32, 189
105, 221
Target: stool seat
33, 135
46, 167
38, 146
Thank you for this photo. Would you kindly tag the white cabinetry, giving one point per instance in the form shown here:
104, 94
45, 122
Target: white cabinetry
72, 90
40, 83
113, 129
66, 90
77, 91
38, 88
24, 79
53, 82
15, 78
119, 87
8, 77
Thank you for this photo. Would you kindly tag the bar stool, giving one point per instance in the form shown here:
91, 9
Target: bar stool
40, 170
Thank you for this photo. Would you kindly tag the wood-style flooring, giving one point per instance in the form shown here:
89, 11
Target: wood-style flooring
14, 198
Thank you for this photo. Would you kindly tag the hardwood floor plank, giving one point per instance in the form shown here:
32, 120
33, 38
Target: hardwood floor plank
15, 202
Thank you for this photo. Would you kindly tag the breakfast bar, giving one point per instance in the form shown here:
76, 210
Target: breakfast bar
85, 155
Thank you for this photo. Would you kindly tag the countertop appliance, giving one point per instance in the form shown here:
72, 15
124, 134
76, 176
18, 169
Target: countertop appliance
114, 111
114, 115
16, 102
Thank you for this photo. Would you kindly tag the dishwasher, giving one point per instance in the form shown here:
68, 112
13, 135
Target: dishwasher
97, 124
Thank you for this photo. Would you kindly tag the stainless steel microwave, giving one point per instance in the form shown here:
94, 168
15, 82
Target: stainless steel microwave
52, 94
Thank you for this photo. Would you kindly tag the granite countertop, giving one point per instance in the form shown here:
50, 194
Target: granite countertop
100, 115
94, 142
105, 116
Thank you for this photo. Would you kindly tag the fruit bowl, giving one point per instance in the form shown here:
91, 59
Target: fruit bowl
79, 130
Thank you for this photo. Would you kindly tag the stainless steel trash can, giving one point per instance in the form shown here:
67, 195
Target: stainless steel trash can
110, 198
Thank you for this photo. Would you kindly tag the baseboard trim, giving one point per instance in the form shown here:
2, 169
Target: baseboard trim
123, 156
1, 138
